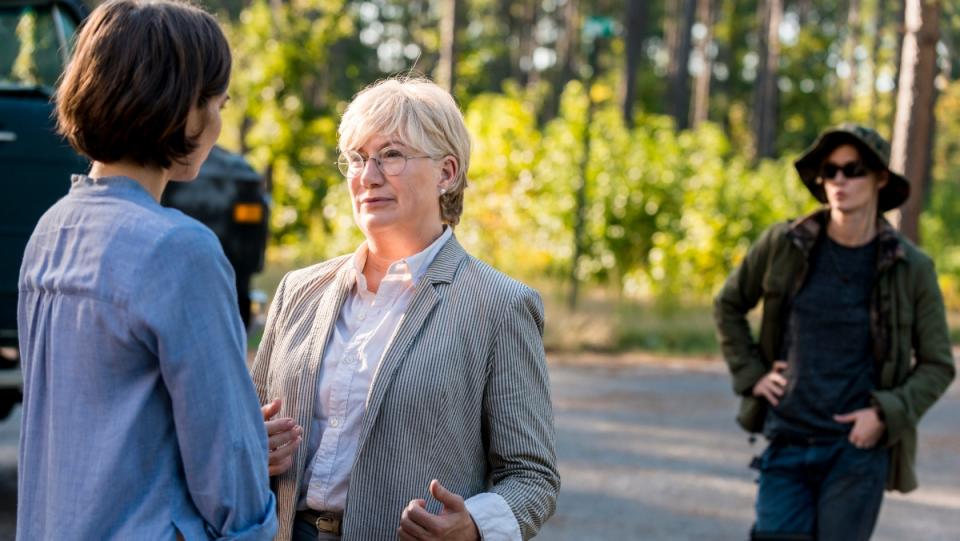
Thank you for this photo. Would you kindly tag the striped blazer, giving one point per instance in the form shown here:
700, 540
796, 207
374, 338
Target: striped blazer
461, 395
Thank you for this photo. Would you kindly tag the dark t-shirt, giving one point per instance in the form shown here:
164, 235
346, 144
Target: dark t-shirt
827, 344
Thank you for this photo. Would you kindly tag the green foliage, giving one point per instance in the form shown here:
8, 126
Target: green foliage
940, 233
510, 211
668, 214
280, 112
806, 84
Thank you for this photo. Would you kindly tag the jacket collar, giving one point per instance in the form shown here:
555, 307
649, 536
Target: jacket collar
805, 231
445, 264
440, 270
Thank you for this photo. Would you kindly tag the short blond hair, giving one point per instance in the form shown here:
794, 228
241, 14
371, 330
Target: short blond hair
422, 116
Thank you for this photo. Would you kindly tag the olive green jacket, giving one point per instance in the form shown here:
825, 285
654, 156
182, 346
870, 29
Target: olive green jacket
907, 322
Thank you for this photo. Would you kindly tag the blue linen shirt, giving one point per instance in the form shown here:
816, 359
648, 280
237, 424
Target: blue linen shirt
139, 416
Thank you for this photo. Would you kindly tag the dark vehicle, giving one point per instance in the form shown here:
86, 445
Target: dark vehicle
36, 38
229, 197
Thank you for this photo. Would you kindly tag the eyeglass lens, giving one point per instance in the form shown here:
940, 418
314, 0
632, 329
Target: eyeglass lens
849, 169
388, 161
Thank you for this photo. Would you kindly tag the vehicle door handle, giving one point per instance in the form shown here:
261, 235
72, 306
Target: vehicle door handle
7, 137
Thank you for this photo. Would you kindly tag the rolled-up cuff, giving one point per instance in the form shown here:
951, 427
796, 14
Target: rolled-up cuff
493, 517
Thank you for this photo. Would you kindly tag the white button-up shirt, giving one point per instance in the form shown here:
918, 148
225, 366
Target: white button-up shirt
362, 334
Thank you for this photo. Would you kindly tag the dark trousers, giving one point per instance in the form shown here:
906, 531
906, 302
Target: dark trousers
830, 491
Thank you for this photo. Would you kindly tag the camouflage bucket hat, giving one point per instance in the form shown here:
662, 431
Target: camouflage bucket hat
866, 140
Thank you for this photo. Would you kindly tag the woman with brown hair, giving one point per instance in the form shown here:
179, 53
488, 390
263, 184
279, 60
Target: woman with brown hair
139, 418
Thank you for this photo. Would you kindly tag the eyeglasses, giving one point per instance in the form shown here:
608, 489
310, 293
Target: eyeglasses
828, 171
390, 161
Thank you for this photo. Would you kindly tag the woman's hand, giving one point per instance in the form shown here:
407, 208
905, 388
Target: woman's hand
772, 385
867, 427
283, 438
454, 523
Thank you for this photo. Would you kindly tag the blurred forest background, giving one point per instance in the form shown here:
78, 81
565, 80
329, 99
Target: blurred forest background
626, 154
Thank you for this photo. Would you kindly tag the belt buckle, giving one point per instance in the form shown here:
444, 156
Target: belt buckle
328, 522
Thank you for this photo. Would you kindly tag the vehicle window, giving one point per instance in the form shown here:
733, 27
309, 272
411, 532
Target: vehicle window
69, 30
29, 48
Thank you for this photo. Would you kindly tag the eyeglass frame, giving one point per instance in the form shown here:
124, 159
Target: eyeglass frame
377, 160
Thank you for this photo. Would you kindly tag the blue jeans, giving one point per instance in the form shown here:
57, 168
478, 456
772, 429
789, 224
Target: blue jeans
829, 491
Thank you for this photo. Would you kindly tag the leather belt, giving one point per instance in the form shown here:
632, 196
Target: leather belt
325, 521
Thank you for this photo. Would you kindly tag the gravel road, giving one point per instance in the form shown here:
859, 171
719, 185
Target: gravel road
649, 451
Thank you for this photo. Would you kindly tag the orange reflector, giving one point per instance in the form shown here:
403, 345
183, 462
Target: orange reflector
248, 213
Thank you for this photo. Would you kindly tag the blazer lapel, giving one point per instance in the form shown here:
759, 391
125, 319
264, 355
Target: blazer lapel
328, 309
440, 271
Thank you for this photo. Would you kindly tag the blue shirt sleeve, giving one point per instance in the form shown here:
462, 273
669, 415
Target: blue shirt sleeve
187, 314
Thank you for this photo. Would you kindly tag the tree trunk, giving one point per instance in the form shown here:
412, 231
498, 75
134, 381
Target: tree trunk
880, 22
766, 93
803, 9
728, 90
912, 129
900, 18
530, 43
678, 77
447, 66
707, 14
521, 23
634, 27
567, 46
580, 210
848, 85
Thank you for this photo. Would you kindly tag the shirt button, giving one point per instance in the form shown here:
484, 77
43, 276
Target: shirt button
334, 423
362, 317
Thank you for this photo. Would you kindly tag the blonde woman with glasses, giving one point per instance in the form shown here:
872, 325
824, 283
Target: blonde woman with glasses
414, 401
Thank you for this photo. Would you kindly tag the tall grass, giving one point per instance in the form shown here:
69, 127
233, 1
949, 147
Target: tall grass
602, 321
605, 322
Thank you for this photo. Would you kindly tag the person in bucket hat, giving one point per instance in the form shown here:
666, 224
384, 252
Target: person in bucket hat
853, 346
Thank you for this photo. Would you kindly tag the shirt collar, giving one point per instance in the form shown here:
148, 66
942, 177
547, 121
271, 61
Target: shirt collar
410, 268
117, 186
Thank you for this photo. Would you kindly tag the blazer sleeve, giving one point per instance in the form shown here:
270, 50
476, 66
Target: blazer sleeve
518, 416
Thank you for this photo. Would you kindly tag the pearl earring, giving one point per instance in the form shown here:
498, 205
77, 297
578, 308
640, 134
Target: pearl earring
443, 191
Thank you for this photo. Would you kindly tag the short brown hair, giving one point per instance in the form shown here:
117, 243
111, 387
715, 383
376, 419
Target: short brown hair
139, 67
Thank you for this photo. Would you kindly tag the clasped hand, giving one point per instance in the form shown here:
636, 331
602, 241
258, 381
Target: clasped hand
283, 438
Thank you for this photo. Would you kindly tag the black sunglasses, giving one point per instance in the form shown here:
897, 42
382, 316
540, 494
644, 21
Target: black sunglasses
850, 170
